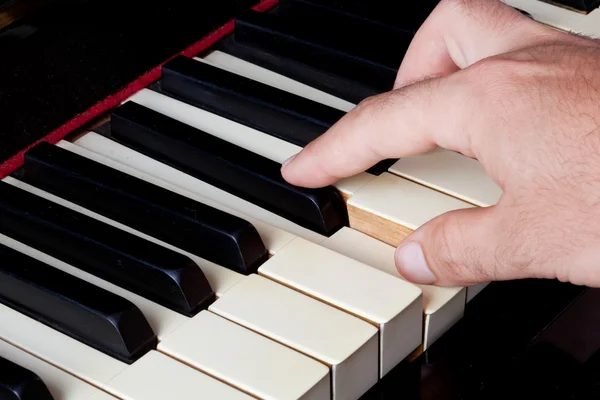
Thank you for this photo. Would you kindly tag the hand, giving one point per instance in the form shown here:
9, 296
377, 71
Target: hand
483, 80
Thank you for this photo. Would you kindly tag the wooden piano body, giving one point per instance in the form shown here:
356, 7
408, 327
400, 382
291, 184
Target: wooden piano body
321, 312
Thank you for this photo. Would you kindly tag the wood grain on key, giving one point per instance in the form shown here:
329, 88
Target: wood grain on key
389, 207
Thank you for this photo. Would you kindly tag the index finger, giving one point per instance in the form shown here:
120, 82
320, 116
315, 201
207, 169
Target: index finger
413, 119
400, 123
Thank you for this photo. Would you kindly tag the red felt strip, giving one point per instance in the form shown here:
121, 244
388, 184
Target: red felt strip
114, 100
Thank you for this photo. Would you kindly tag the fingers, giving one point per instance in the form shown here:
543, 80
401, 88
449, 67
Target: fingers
461, 248
459, 33
400, 123
410, 120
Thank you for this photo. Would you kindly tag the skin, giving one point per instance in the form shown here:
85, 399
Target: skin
483, 80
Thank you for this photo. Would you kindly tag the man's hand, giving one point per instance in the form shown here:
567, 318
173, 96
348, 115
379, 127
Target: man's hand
523, 99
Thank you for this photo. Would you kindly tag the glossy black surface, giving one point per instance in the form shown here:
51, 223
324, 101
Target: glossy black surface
351, 49
159, 274
511, 343
517, 340
182, 222
18, 383
581, 5
395, 14
279, 113
60, 61
282, 114
337, 85
349, 38
227, 166
87, 313
329, 42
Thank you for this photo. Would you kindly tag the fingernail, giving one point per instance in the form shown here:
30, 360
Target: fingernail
411, 264
289, 160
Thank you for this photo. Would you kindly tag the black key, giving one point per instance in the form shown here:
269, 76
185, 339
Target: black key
227, 166
152, 271
292, 118
345, 88
18, 383
580, 5
182, 222
85, 312
393, 14
525, 13
355, 51
331, 45
276, 112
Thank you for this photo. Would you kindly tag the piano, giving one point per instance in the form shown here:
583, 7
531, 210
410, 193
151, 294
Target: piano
150, 249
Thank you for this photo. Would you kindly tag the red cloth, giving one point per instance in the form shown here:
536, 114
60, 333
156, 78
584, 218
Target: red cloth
114, 100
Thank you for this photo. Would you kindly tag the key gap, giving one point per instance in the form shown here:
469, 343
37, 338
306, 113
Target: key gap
571, 8
432, 188
60, 368
202, 370
274, 340
377, 325
289, 347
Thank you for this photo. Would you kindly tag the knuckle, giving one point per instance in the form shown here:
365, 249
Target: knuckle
498, 84
374, 106
366, 110
493, 73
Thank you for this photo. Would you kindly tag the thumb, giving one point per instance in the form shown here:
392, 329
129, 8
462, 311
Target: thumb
459, 248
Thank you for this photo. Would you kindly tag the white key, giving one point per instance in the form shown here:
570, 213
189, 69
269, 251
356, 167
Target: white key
241, 67
250, 139
154, 171
58, 349
347, 344
100, 396
442, 306
401, 202
220, 278
158, 377
451, 173
393, 305
149, 378
162, 320
348, 186
560, 17
473, 291
60, 384
273, 238
247, 360
165, 321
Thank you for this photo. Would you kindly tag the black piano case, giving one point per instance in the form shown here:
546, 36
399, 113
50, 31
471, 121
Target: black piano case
70, 61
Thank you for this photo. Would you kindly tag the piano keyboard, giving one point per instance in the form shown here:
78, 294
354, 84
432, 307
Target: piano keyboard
166, 258
25, 377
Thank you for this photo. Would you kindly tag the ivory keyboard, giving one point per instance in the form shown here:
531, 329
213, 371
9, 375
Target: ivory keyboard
161, 255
